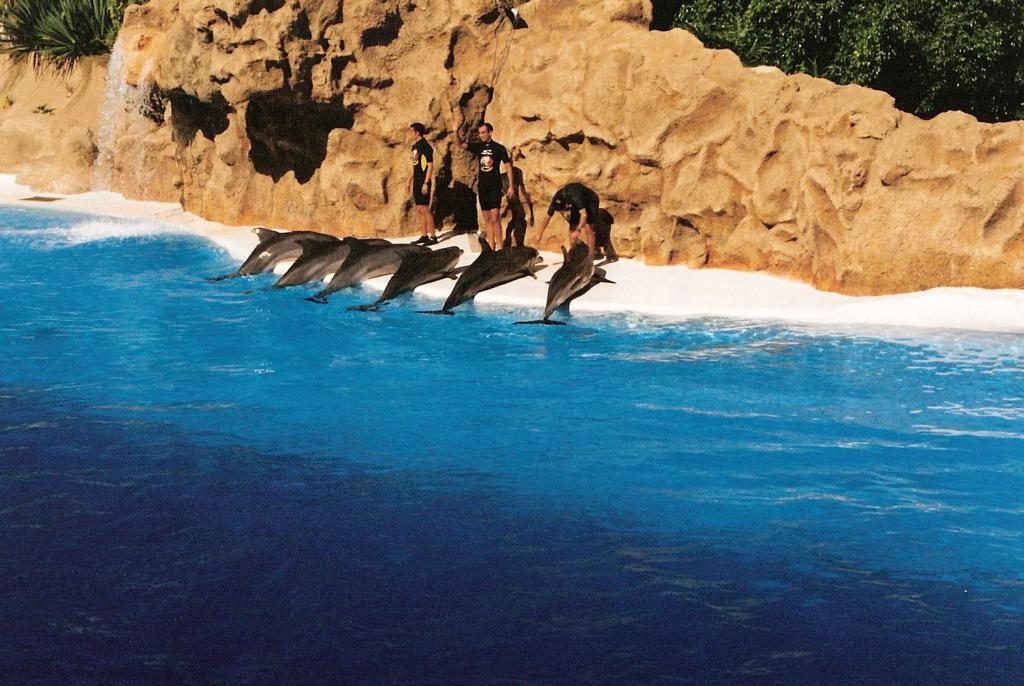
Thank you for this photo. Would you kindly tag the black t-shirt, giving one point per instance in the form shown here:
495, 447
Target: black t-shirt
422, 155
575, 197
490, 155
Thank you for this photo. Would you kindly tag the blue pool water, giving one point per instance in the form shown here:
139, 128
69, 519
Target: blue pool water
201, 486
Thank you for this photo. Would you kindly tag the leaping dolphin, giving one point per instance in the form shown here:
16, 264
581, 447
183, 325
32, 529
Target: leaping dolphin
416, 270
320, 260
575, 275
492, 269
600, 276
275, 247
366, 262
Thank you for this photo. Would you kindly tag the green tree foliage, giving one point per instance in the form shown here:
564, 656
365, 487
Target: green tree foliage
930, 55
59, 32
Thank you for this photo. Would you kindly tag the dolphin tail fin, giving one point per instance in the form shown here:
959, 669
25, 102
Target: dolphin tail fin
446, 312
601, 276
318, 299
545, 322
372, 307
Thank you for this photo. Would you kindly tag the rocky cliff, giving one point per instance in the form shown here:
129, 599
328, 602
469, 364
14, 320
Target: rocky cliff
295, 113
49, 122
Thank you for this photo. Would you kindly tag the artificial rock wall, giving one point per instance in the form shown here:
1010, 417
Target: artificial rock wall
295, 113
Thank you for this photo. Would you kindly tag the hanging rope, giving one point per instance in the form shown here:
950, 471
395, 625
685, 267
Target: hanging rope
500, 58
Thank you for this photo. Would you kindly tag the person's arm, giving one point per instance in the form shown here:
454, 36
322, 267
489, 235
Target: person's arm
511, 178
542, 228
428, 172
556, 202
428, 178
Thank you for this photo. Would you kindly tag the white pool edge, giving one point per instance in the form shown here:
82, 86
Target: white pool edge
675, 292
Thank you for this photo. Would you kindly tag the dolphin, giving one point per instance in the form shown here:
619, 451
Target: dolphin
600, 276
575, 274
320, 260
366, 262
492, 269
275, 247
417, 269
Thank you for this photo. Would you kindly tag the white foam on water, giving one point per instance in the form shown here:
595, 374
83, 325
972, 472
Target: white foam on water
90, 231
100, 230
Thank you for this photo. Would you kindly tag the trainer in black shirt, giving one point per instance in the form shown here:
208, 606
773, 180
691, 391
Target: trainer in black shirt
581, 204
490, 156
421, 181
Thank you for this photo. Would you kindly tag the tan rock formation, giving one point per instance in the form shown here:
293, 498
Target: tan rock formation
48, 122
295, 114
705, 162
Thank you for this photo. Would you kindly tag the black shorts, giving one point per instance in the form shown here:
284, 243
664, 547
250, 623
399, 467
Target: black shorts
417, 196
490, 198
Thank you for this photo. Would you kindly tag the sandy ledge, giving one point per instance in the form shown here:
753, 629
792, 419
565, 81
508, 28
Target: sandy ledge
666, 291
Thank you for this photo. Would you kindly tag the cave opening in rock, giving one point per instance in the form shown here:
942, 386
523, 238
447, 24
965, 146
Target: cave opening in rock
453, 40
152, 105
288, 135
253, 8
383, 34
190, 115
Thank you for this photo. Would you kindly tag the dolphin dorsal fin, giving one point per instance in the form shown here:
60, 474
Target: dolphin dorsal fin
565, 253
263, 233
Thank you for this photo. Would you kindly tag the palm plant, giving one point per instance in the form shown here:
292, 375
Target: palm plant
55, 32
19, 22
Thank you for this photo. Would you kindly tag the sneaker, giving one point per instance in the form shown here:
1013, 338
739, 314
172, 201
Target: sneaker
430, 240
422, 240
